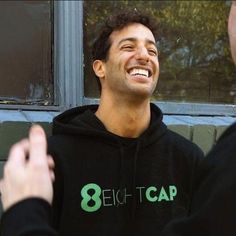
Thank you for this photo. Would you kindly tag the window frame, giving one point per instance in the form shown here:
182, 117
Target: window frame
69, 74
68, 54
67, 58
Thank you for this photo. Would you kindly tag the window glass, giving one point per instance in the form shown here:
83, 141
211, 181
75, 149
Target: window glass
195, 61
26, 52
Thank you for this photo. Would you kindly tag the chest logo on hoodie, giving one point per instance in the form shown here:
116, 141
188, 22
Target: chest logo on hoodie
94, 197
92, 202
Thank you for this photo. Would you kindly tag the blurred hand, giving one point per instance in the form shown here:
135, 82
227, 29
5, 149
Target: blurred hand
232, 30
28, 171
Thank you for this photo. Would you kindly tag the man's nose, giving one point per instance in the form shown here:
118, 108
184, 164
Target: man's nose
142, 54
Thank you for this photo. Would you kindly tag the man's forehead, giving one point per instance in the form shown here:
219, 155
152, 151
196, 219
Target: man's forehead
133, 32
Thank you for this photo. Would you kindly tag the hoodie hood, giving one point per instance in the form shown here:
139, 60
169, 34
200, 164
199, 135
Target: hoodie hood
82, 121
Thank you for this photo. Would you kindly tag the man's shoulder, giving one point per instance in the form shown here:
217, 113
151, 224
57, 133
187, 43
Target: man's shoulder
226, 144
183, 144
229, 133
58, 139
176, 137
59, 143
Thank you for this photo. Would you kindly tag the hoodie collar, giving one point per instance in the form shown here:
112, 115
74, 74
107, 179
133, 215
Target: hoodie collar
83, 121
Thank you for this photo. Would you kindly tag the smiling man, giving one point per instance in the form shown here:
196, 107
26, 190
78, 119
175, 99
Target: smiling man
119, 170
132, 66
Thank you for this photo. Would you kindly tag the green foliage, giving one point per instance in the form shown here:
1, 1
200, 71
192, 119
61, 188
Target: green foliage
195, 60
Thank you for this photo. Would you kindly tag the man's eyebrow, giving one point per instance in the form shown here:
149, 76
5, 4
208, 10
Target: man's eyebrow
134, 40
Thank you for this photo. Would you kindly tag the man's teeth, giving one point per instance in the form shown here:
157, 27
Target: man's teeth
139, 72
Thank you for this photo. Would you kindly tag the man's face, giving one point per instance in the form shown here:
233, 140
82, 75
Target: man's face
132, 67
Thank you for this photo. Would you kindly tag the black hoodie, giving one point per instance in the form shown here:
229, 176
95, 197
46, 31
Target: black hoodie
213, 205
110, 185
213, 208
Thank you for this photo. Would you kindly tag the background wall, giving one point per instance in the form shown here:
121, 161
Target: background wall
204, 131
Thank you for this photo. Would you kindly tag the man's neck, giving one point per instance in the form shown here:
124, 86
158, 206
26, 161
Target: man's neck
125, 120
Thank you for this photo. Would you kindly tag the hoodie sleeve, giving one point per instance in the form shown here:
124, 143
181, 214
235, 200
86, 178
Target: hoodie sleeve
26, 218
213, 207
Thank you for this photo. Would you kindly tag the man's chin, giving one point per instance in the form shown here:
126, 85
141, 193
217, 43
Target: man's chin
141, 94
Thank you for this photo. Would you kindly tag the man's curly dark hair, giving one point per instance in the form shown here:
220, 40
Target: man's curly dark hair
102, 43
116, 22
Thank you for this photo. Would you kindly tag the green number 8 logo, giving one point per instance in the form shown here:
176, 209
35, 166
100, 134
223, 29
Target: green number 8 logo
95, 197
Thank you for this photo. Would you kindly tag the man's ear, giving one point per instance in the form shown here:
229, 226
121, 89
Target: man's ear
99, 69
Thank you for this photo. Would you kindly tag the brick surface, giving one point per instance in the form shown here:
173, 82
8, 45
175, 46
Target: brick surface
204, 136
11, 132
183, 130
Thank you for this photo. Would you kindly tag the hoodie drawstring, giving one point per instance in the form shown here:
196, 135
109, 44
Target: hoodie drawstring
123, 181
134, 201
122, 176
